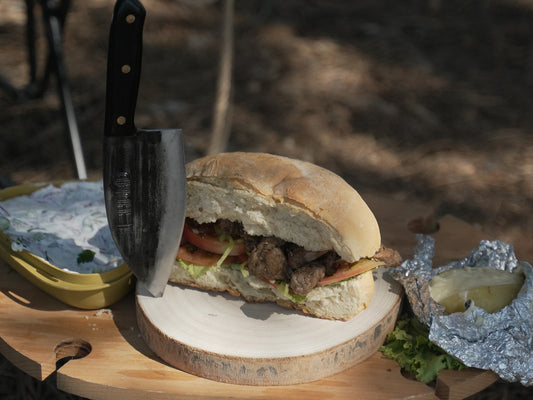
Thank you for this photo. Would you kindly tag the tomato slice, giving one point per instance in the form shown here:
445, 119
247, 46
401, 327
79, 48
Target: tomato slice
203, 258
352, 270
271, 283
211, 243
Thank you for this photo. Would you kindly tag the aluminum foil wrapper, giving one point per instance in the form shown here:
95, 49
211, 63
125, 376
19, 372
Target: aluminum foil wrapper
501, 341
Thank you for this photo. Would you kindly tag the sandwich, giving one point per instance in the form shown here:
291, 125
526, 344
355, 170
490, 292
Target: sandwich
274, 229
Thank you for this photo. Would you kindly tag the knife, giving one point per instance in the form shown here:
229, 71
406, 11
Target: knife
144, 170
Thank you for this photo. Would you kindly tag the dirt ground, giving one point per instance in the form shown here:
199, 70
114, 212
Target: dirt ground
423, 100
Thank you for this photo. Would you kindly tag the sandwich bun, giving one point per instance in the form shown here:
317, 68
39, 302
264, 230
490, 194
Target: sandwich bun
289, 199
294, 200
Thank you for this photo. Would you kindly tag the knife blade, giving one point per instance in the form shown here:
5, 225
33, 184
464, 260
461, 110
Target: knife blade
144, 169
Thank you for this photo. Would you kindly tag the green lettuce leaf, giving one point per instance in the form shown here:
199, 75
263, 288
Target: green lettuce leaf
409, 345
196, 271
283, 289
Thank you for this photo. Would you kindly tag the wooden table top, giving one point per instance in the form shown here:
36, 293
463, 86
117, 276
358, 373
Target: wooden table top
109, 358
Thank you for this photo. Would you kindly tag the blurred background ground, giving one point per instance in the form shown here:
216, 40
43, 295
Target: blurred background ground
420, 100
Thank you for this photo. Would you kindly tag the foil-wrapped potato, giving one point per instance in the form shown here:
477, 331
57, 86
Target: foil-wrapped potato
488, 288
479, 309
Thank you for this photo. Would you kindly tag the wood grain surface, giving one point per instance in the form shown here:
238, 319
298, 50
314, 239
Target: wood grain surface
220, 337
111, 358
36, 331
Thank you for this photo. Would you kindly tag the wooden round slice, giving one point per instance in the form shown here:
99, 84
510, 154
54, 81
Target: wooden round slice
221, 337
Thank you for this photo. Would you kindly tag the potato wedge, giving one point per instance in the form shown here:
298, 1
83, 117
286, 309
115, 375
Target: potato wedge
489, 288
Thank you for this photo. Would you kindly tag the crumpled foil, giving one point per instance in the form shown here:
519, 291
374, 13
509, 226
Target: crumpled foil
502, 341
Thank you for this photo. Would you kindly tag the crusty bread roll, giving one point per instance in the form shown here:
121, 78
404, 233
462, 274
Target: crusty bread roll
293, 200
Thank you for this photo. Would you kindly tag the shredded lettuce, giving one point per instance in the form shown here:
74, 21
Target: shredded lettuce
244, 271
410, 346
283, 289
196, 271
226, 252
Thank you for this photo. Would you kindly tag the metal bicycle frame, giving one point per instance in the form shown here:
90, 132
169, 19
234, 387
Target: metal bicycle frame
54, 14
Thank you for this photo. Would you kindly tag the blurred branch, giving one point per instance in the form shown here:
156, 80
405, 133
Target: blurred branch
222, 109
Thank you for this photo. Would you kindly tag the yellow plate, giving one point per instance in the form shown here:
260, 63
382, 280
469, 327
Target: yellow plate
86, 291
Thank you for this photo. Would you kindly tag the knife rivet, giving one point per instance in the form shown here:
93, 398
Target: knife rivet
125, 69
130, 18
121, 120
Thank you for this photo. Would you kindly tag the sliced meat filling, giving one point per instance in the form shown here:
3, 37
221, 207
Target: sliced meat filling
389, 257
305, 278
274, 259
268, 261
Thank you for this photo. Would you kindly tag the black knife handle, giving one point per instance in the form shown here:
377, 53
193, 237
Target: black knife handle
123, 67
